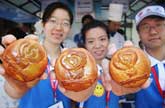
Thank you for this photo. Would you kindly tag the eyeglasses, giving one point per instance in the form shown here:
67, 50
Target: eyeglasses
146, 28
54, 22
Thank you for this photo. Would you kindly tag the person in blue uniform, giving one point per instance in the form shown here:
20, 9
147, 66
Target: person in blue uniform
96, 40
78, 37
150, 23
44, 93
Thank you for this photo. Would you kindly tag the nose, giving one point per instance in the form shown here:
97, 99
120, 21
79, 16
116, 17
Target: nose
153, 30
57, 26
97, 44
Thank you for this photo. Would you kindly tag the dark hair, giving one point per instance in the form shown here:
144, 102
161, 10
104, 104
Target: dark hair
85, 17
93, 24
17, 32
53, 6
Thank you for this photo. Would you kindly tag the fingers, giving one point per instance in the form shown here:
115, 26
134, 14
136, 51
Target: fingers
105, 65
1, 50
53, 76
63, 49
78, 96
2, 70
32, 36
105, 77
111, 50
63, 90
147, 83
44, 76
120, 90
32, 83
106, 82
128, 43
8, 39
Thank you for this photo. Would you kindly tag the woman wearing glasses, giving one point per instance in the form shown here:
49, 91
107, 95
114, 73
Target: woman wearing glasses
57, 20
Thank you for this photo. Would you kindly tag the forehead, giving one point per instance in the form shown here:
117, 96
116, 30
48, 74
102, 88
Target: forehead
95, 32
60, 13
87, 21
151, 19
114, 23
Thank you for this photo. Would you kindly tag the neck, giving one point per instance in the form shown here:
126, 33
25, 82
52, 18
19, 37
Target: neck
98, 62
158, 53
53, 50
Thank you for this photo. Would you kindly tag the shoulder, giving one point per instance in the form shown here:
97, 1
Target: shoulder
68, 43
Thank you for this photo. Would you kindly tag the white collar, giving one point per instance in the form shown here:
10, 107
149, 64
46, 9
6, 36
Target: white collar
153, 60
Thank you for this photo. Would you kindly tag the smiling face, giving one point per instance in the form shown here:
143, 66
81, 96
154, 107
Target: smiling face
113, 26
151, 31
97, 43
57, 26
99, 90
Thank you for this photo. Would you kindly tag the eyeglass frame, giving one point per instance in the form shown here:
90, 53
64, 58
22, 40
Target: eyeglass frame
146, 27
55, 22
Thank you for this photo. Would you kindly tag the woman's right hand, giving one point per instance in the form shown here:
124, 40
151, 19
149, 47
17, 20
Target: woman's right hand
110, 84
14, 88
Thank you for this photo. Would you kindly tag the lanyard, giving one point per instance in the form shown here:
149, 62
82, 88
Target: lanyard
54, 83
162, 93
107, 98
107, 93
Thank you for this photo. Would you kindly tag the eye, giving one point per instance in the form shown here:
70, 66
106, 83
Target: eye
103, 39
146, 27
66, 23
52, 21
159, 25
90, 41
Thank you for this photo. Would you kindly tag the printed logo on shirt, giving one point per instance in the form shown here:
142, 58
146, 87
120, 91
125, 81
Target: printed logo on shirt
99, 90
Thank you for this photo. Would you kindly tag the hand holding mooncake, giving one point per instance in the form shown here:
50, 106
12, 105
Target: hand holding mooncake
24, 60
76, 69
129, 67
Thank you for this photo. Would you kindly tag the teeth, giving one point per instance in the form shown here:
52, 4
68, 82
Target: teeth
98, 52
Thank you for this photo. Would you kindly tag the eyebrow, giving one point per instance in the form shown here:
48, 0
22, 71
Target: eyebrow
101, 36
57, 18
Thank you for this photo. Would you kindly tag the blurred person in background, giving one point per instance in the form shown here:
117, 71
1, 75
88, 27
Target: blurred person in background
114, 24
78, 37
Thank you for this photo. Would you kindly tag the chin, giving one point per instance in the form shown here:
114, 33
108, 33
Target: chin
55, 41
99, 57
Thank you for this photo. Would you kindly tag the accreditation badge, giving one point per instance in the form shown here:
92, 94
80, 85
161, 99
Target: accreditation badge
57, 105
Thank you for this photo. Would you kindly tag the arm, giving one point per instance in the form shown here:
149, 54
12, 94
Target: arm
14, 92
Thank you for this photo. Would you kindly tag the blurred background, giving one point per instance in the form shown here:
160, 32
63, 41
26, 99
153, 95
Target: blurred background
24, 13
